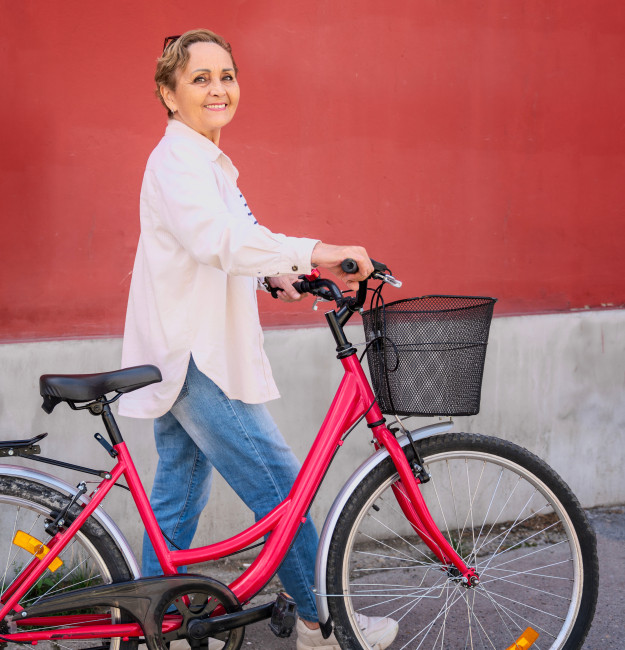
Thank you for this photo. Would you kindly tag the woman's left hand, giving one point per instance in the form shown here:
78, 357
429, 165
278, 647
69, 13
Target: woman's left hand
285, 283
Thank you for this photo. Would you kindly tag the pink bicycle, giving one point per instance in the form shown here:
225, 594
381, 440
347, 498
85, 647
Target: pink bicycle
467, 541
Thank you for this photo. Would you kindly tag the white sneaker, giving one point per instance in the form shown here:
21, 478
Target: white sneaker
379, 632
181, 644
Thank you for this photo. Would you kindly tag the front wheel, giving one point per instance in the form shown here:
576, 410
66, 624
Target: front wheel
507, 513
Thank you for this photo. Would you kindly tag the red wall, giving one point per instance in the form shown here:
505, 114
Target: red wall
476, 147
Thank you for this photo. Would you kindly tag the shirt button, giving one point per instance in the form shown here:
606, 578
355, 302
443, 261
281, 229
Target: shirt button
294, 268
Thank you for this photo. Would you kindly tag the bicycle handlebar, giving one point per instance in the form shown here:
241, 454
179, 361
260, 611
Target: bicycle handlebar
320, 287
327, 290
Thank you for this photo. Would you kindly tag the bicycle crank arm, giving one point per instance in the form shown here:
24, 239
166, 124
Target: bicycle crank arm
283, 614
201, 629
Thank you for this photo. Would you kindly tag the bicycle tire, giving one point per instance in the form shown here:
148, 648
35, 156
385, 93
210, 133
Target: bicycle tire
91, 558
510, 516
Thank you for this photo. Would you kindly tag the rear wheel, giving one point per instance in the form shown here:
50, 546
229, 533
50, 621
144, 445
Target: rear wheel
91, 558
509, 516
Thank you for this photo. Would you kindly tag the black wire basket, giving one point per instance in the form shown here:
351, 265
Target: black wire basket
426, 355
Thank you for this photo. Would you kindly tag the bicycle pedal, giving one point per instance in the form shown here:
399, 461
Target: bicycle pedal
283, 616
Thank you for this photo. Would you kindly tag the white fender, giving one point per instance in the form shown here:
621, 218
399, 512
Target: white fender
98, 514
321, 595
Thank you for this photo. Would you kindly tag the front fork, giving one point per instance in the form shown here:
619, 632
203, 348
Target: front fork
413, 505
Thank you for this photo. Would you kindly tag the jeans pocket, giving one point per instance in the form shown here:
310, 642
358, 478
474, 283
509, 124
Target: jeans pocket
184, 391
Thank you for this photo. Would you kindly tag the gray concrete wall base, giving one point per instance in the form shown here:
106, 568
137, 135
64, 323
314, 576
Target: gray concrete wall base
553, 383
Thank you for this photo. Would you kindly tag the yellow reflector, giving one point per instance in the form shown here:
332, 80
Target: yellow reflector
526, 640
35, 547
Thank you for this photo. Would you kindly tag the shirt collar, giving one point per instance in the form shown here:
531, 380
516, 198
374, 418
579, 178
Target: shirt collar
178, 128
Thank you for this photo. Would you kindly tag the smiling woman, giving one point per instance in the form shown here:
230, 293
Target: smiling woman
192, 312
204, 94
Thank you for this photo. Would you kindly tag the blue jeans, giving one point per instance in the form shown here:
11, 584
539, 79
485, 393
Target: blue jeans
206, 429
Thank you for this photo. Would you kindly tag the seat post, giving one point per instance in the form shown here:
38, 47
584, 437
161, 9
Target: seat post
111, 426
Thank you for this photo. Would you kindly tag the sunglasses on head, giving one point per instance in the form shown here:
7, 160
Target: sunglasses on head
169, 40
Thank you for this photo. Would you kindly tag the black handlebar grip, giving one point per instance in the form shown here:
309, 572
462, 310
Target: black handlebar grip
301, 287
349, 265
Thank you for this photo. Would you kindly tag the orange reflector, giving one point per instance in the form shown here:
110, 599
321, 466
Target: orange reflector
526, 640
35, 547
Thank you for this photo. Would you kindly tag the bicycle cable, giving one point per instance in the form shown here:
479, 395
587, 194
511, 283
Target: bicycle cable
358, 421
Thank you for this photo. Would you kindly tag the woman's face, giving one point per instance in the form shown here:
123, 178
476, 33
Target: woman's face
207, 92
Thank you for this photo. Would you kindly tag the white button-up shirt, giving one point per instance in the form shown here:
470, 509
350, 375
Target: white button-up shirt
201, 254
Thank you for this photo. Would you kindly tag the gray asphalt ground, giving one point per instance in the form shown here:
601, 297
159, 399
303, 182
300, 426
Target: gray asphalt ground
607, 630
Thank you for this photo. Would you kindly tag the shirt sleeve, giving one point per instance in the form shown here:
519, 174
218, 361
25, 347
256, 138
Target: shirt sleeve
194, 212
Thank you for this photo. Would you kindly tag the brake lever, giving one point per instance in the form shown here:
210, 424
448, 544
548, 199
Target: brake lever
380, 271
385, 277
318, 299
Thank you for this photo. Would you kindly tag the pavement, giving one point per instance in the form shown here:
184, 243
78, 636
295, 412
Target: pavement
606, 632
607, 628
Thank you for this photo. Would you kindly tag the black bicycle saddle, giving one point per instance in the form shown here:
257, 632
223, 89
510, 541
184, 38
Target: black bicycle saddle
84, 388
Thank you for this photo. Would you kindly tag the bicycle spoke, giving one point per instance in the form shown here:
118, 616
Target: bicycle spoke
482, 627
416, 594
514, 523
416, 603
398, 559
428, 628
53, 591
530, 572
432, 482
409, 557
518, 602
6, 569
486, 515
43, 628
488, 541
469, 640
525, 587
400, 537
63, 578
473, 621
516, 559
453, 495
470, 507
512, 613
512, 636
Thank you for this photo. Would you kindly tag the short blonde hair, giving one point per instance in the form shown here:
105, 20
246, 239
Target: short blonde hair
176, 55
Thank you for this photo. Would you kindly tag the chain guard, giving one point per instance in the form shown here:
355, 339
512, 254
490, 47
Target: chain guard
147, 601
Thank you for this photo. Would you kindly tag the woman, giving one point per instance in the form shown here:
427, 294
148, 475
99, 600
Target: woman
192, 312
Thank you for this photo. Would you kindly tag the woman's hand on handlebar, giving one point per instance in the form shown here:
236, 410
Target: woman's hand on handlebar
330, 257
286, 290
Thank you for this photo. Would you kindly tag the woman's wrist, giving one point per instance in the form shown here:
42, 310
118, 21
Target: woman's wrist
313, 263
319, 256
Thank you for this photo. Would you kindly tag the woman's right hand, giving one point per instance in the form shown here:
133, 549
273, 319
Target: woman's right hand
330, 257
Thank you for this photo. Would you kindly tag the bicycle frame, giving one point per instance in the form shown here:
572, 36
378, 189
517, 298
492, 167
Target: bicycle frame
354, 398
